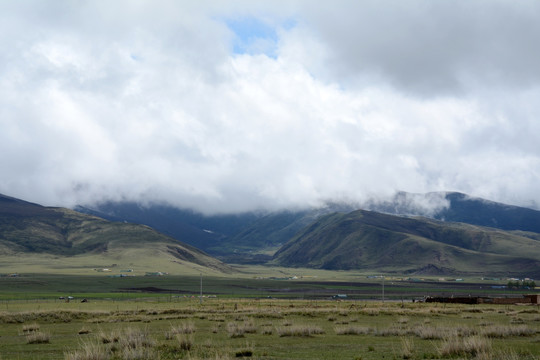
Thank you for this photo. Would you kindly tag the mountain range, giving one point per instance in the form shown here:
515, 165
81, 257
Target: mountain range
435, 233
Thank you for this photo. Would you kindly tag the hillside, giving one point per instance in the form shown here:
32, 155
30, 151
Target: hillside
54, 238
204, 232
371, 241
235, 238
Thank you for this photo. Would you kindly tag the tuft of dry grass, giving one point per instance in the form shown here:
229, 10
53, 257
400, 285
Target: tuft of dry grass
37, 337
185, 342
299, 330
89, 351
430, 332
352, 330
504, 331
183, 328
286, 323
144, 353
391, 331
407, 348
402, 320
245, 351
469, 346
84, 330
109, 338
28, 328
135, 339
235, 330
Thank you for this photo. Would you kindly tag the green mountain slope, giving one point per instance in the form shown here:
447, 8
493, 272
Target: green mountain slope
30, 231
370, 240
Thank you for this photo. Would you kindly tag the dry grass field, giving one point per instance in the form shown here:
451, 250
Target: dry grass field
266, 329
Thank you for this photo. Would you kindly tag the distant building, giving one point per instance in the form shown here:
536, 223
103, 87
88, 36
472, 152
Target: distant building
525, 299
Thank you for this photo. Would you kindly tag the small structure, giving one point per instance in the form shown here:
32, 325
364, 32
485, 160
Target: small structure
526, 299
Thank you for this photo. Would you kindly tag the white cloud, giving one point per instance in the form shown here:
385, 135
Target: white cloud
149, 101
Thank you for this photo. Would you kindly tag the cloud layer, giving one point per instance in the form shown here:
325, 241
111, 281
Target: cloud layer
180, 102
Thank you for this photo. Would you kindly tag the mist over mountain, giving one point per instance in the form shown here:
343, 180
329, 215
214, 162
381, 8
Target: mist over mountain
186, 225
459, 207
255, 236
435, 233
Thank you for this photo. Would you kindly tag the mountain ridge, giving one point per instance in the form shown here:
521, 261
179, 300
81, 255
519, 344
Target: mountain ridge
336, 236
370, 240
256, 236
28, 230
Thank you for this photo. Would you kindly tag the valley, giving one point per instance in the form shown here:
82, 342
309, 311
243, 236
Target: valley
161, 239
326, 283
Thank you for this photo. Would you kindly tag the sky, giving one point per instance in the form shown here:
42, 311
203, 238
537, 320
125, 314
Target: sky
228, 106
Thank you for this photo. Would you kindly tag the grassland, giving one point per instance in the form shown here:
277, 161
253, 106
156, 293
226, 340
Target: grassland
264, 313
252, 281
266, 329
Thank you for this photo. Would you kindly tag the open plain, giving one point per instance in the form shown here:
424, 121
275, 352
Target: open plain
146, 317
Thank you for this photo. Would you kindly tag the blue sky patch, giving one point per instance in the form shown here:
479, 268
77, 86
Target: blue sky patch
254, 36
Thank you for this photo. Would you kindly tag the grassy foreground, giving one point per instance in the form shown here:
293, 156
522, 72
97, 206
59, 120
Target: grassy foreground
266, 329
263, 313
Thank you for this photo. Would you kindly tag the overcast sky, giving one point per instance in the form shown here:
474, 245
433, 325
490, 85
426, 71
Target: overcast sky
239, 105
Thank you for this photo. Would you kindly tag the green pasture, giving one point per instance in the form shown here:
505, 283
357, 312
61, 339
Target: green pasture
267, 329
360, 287
260, 313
